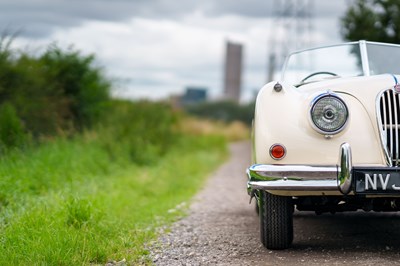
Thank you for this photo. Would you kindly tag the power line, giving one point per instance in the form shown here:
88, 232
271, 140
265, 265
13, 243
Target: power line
290, 30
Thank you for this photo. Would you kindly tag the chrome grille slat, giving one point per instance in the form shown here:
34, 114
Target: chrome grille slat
390, 112
389, 125
395, 110
384, 113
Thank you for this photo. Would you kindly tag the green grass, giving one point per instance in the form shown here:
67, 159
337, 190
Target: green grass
67, 203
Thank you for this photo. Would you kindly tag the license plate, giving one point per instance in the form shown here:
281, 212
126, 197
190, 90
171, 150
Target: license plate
377, 181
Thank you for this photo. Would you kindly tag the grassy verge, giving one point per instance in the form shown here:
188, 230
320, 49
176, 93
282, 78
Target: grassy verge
64, 203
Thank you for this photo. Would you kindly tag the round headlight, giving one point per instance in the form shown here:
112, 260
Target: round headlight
329, 114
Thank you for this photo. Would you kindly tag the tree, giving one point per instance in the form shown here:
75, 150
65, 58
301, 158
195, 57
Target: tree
372, 20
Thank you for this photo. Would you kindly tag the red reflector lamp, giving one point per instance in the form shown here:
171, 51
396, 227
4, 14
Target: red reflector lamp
277, 151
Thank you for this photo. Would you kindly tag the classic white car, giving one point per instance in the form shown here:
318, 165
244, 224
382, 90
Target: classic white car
326, 136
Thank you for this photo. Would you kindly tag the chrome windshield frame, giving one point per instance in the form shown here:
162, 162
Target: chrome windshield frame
364, 58
363, 46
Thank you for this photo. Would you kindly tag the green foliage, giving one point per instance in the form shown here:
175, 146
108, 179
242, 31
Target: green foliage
64, 203
82, 85
373, 20
58, 91
87, 194
79, 212
143, 130
225, 111
12, 134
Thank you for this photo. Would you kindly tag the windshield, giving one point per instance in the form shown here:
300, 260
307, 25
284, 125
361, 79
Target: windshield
383, 58
341, 61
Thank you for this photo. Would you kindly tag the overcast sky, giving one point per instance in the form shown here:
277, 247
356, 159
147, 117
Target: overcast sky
154, 48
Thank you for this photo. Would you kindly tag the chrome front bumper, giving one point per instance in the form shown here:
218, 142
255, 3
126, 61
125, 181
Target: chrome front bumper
302, 177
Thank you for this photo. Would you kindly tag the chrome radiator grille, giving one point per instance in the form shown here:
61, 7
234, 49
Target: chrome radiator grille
389, 116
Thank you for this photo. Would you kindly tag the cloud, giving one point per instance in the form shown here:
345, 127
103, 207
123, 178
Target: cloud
40, 18
157, 47
165, 56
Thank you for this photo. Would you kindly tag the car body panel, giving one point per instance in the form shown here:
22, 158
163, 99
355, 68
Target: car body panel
289, 109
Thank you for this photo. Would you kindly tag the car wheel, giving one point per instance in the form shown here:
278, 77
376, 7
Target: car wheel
257, 208
276, 220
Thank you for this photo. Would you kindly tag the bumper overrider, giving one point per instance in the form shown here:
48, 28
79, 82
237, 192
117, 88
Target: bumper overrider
302, 177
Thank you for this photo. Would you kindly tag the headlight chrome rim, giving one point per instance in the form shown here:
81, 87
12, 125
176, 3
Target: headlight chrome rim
330, 113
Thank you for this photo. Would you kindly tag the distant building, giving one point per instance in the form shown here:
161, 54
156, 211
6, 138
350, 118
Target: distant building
194, 95
233, 71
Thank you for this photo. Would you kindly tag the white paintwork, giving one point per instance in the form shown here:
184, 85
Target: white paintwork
283, 117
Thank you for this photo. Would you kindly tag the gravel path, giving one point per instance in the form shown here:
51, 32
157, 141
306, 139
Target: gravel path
213, 229
223, 229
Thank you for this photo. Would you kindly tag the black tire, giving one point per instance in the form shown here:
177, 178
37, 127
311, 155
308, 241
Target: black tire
257, 209
276, 220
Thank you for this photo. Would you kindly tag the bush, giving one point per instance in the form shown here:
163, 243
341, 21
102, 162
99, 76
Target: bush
147, 128
58, 91
12, 134
82, 85
225, 111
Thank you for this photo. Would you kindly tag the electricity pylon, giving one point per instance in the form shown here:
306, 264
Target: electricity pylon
290, 30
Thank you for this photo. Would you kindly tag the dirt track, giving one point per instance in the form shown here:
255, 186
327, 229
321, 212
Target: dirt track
223, 229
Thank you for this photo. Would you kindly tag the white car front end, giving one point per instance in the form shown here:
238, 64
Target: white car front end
328, 144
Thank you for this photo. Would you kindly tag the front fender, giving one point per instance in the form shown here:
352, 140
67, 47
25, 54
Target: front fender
283, 117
